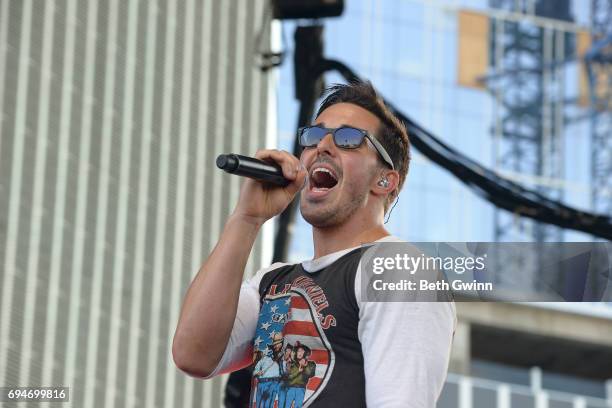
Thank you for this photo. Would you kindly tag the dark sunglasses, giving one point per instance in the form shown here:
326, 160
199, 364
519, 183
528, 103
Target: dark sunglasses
345, 137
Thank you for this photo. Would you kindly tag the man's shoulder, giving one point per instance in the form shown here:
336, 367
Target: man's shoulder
268, 269
275, 266
267, 272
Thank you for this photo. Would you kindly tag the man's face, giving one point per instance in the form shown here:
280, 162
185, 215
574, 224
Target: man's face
354, 169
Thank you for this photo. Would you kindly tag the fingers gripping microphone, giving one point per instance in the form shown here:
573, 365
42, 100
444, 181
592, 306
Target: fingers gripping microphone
253, 168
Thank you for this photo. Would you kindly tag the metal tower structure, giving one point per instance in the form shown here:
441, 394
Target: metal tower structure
599, 66
528, 90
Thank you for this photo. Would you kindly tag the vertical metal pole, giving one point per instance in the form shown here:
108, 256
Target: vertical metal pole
309, 85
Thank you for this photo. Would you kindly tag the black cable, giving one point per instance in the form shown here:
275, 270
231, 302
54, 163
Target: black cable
391, 210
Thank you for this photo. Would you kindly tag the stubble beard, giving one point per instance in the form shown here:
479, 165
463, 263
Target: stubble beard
325, 215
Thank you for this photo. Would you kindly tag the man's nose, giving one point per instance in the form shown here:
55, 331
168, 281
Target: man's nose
326, 144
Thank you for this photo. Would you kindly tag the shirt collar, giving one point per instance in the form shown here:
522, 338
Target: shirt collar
314, 265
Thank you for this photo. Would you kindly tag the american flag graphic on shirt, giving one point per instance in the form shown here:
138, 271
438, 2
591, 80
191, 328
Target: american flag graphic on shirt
288, 321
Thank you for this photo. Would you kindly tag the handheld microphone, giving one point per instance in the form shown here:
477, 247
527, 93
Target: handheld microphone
253, 168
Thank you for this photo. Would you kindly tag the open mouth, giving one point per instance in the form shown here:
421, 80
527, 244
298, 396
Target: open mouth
322, 179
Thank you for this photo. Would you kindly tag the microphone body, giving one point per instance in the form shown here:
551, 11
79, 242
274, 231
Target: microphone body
253, 168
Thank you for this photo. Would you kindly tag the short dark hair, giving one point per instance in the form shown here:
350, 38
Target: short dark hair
392, 133
305, 348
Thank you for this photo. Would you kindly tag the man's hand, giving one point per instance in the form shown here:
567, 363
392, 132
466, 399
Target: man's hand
261, 201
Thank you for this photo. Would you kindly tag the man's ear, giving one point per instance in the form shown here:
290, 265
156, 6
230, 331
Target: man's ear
386, 182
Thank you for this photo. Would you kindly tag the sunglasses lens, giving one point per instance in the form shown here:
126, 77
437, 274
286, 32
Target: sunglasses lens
311, 136
348, 137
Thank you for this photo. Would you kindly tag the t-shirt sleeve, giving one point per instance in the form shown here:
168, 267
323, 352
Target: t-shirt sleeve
239, 349
406, 349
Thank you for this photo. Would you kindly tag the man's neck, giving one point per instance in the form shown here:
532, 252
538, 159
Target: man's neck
348, 235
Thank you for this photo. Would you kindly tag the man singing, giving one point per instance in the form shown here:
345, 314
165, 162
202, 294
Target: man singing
352, 353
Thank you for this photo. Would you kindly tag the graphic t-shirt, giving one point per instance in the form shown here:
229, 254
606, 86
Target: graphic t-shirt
310, 322
313, 343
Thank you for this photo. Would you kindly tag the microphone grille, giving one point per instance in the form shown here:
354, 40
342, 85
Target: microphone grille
222, 161
227, 162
